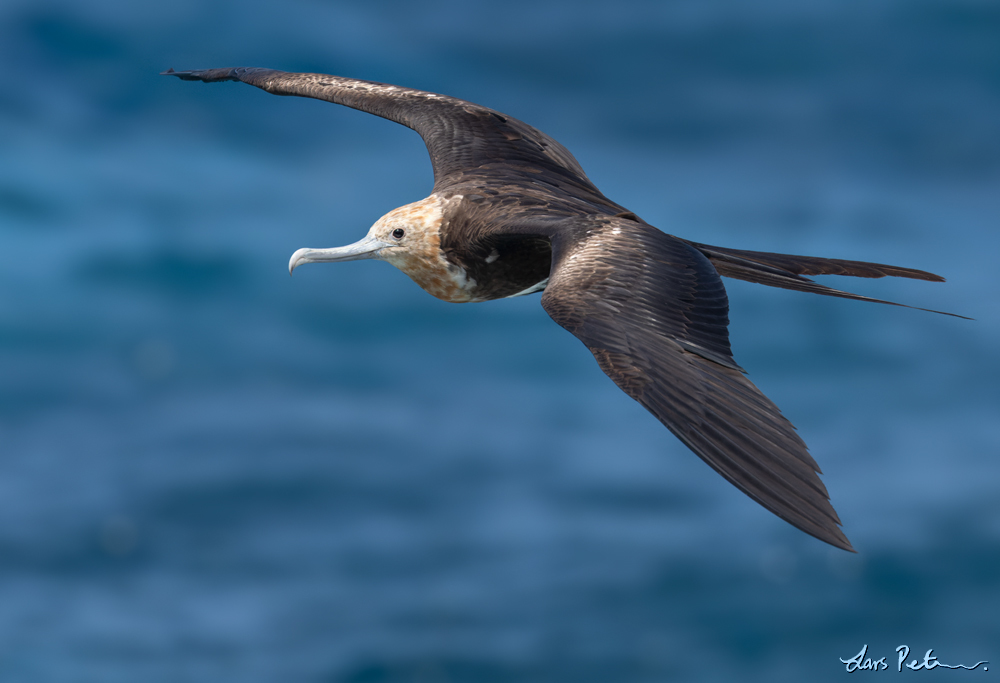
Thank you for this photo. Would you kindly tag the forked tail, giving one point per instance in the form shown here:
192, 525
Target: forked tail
787, 271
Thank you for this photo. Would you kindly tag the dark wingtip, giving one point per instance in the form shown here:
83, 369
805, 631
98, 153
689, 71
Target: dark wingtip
204, 75
183, 75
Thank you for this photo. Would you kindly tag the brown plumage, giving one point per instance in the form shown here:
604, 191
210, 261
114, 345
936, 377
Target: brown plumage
512, 212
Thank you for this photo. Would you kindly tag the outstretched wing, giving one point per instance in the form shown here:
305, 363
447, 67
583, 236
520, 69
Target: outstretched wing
654, 312
461, 137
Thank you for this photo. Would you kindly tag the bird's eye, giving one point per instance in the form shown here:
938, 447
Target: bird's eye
398, 233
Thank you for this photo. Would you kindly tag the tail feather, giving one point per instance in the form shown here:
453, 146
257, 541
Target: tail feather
786, 271
812, 265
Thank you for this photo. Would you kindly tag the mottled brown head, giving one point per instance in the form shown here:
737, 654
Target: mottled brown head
410, 239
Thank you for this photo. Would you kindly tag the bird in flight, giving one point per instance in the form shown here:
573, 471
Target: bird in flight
512, 213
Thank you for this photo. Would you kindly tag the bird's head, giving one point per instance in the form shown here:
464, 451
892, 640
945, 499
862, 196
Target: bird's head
410, 239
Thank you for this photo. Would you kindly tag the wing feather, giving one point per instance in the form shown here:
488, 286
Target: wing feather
462, 138
644, 303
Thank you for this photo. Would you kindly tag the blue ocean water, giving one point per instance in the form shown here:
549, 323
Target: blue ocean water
210, 471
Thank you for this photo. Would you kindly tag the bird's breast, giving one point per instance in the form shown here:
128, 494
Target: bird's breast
441, 278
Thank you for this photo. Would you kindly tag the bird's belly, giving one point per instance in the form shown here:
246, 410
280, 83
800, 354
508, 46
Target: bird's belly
537, 287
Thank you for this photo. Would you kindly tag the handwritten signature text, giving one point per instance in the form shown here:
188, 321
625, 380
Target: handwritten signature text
861, 662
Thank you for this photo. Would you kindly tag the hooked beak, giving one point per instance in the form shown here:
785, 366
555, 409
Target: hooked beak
369, 247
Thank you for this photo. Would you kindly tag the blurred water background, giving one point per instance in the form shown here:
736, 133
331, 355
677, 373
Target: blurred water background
212, 472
